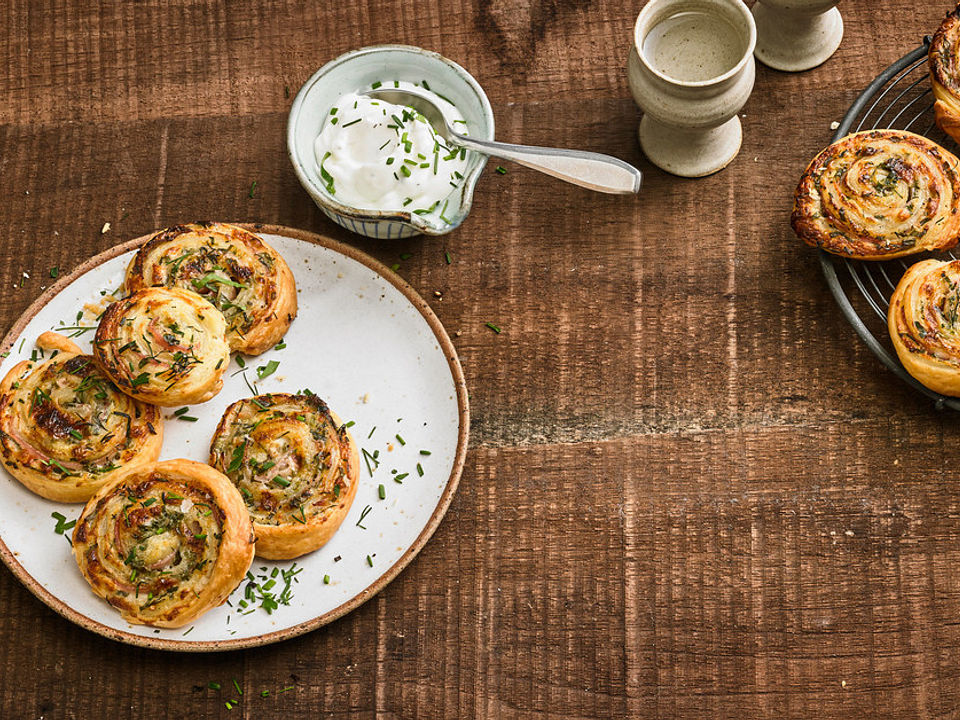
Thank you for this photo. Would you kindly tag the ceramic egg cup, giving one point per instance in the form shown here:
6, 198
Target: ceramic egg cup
690, 127
357, 71
796, 35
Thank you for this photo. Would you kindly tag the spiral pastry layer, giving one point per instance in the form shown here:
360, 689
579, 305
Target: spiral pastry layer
164, 345
233, 268
924, 324
944, 61
66, 430
295, 465
164, 542
879, 194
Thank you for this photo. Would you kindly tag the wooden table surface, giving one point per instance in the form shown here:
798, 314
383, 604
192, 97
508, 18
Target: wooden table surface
690, 492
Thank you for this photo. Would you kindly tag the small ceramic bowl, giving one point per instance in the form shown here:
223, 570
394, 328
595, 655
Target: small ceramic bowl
358, 70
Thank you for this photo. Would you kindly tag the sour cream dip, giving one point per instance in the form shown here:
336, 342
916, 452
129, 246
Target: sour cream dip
375, 155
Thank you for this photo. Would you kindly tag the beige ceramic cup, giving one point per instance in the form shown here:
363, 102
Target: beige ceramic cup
795, 35
690, 71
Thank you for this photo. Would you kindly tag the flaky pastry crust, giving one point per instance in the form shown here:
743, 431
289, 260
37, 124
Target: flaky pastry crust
924, 324
879, 194
163, 345
65, 428
236, 270
164, 542
295, 465
944, 62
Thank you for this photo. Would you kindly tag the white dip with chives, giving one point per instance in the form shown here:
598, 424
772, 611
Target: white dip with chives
374, 155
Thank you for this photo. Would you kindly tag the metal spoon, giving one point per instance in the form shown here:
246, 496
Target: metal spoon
588, 169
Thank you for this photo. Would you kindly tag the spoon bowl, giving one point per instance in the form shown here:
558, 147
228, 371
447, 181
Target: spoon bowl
594, 171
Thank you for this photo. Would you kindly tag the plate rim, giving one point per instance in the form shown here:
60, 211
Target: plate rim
446, 497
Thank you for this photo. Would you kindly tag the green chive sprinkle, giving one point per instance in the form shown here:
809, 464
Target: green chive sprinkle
326, 579
502, 170
493, 327
400, 439
382, 492
424, 452
253, 187
213, 685
369, 561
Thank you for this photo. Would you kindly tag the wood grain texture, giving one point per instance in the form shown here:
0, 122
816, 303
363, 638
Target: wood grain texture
691, 492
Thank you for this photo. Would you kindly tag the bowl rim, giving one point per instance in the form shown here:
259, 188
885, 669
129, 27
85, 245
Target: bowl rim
318, 194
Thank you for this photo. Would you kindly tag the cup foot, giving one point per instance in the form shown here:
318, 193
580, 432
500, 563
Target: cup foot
791, 43
690, 153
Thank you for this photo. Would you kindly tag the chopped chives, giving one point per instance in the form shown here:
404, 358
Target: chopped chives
369, 561
424, 452
502, 170
382, 492
493, 327
400, 439
326, 579
419, 469
352, 122
446, 256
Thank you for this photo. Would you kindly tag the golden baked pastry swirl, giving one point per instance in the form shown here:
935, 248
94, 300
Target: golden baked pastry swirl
296, 466
164, 542
879, 194
164, 345
232, 268
924, 324
944, 62
66, 430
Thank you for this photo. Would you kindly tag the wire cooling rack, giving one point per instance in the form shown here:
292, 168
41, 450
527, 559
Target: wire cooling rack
899, 98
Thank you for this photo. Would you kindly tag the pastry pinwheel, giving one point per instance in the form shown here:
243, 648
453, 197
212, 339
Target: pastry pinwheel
944, 62
879, 194
163, 345
164, 542
924, 324
296, 466
231, 267
65, 429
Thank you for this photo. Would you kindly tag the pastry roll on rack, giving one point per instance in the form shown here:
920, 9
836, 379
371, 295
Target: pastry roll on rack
66, 430
296, 466
163, 345
924, 324
879, 194
233, 268
164, 542
944, 62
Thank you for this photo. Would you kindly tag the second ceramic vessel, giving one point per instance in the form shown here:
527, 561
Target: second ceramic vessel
795, 35
690, 70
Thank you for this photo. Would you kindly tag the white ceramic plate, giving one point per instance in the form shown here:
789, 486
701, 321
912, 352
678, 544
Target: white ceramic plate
386, 364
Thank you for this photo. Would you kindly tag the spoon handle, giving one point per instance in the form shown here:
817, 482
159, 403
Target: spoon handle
602, 173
